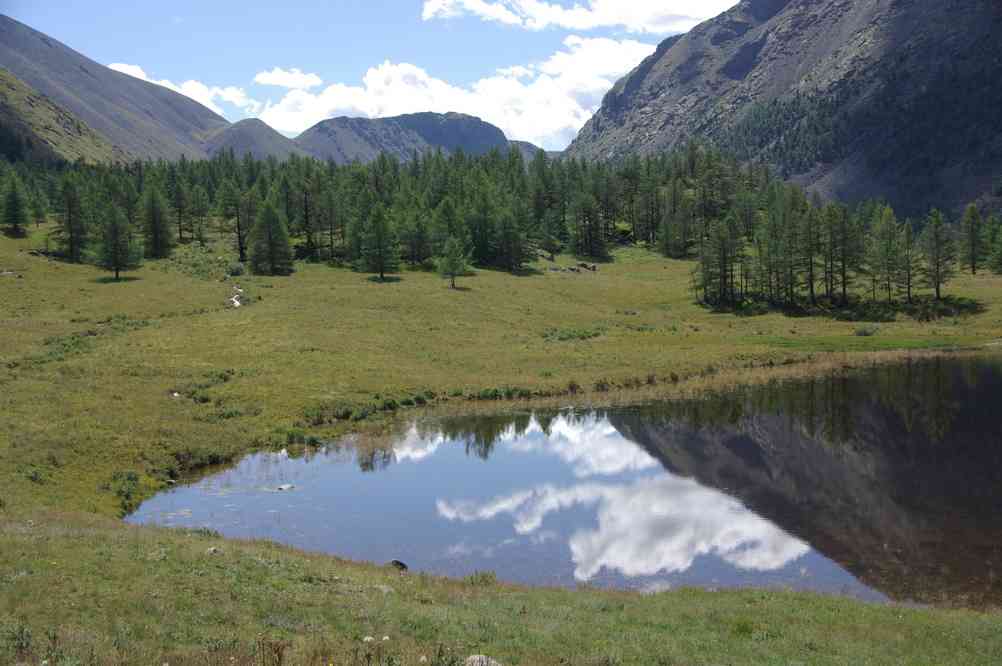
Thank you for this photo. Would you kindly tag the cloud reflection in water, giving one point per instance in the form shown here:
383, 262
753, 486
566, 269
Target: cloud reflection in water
656, 524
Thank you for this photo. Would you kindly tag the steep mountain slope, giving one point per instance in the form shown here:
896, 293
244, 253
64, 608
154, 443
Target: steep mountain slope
255, 137
854, 98
33, 127
141, 119
363, 139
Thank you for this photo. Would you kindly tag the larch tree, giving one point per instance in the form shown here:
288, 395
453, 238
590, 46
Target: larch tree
39, 208
882, 251
909, 264
158, 238
972, 234
15, 209
270, 250
454, 262
199, 206
380, 248
117, 249
995, 260
939, 253
72, 232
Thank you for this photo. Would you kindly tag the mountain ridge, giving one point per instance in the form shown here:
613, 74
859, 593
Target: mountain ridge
143, 120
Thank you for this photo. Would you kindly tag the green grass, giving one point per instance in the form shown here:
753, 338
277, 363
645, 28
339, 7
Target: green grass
59, 132
107, 390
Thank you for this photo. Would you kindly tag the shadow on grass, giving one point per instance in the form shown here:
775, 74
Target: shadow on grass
461, 288
922, 308
110, 279
389, 279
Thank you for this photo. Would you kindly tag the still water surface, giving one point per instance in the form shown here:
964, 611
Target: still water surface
881, 484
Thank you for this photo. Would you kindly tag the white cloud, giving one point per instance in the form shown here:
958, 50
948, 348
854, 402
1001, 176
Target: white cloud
651, 526
294, 78
545, 103
638, 16
196, 90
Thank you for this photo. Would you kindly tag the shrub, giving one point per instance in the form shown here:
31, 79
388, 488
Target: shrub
867, 331
125, 485
236, 269
571, 334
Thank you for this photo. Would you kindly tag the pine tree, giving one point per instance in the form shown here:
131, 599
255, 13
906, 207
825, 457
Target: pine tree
973, 237
118, 249
15, 209
454, 262
156, 227
270, 251
380, 251
939, 253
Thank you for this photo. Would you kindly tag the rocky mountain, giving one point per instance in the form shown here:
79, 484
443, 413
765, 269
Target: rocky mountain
255, 137
363, 139
33, 127
852, 98
141, 119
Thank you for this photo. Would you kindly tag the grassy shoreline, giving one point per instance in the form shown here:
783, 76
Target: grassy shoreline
158, 377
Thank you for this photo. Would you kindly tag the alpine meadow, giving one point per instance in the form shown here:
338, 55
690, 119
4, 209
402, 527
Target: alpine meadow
634, 353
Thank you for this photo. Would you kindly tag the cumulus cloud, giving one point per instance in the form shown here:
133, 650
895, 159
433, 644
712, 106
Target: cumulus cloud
205, 95
655, 525
294, 79
545, 103
638, 16
590, 446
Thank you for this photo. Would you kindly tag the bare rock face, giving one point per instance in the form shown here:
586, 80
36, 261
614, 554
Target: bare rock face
853, 98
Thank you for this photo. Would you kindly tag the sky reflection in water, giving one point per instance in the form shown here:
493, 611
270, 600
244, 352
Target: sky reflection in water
573, 503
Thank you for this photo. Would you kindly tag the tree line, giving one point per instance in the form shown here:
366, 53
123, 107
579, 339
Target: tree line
753, 237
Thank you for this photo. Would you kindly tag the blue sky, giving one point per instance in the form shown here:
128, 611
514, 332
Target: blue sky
536, 68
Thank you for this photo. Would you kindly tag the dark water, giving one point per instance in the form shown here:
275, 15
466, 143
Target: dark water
878, 484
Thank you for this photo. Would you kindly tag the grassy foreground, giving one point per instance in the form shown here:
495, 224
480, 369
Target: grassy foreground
107, 390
